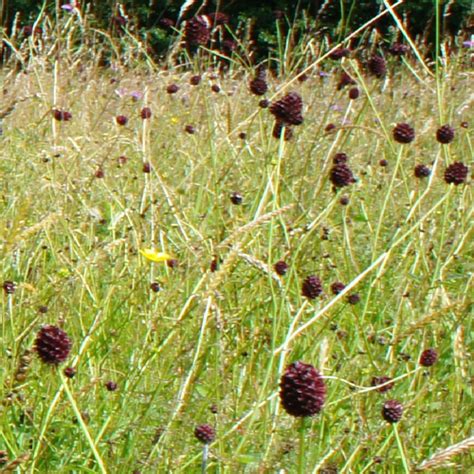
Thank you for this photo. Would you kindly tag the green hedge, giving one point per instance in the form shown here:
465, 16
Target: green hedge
338, 17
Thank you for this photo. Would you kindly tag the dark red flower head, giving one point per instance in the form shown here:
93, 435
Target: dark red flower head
403, 133
280, 267
445, 134
146, 113
288, 109
392, 411
456, 173
429, 357
312, 287
377, 66
52, 345
302, 390
205, 433
341, 175
197, 31
121, 120
340, 53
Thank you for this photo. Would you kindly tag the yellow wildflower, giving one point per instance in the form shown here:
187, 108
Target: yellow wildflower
155, 256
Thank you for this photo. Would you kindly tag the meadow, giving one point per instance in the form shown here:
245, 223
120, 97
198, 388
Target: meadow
105, 169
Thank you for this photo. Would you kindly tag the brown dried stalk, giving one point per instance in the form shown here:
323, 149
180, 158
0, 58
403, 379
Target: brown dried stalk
442, 457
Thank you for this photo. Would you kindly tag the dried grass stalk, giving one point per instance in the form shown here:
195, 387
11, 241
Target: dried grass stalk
251, 225
441, 458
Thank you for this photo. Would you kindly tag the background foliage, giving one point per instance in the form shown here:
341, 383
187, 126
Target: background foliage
334, 18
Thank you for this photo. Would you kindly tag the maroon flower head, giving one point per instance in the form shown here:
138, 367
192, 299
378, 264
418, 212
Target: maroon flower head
61, 115
340, 158
380, 381
278, 129
341, 175
217, 18
288, 109
312, 287
195, 80
258, 86
215, 88
340, 53
9, 287
52, 345
456, 173
403, 133
422, 171
214, 266
155, 287
354, 93
392, 411
197, 31
121, 120
205, 433
353, 298
429, 357
70, 372
111, 386
264, 103
302, 390
344, 201
377, 66
172, 89
445, 134
145, 113
345, 80
189, 129
337, 287
172, 263
280, 267
236, 198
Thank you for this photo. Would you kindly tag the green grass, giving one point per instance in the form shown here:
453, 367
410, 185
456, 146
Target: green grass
70, 241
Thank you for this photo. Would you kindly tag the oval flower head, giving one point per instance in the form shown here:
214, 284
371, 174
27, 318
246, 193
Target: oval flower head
155, 256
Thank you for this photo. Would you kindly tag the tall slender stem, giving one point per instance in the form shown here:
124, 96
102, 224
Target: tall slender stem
402, 451
205, 454
301, 452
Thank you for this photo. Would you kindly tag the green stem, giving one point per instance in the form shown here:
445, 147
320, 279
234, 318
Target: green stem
83, 426
402, 451
301, 458
205, 454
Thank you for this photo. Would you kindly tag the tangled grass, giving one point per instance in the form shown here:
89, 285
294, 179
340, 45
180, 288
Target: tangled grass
185, 345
